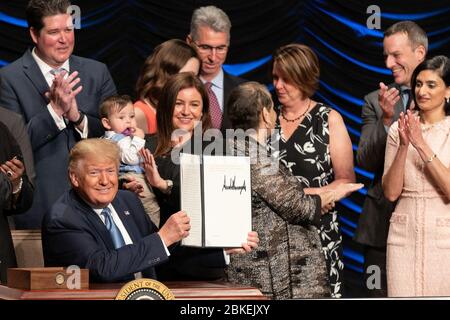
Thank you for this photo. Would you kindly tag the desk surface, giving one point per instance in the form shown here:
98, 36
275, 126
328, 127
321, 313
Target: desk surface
182, 290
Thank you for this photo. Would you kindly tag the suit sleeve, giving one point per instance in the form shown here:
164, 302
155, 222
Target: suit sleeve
8, 97
41, 127
5, 190
370, 155
70, 244
20, 133
25, 199
284, 194
25, 196
106, 89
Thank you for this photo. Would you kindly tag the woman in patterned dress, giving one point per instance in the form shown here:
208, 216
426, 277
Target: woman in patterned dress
416, 172
314, 143
288, 263
278, 205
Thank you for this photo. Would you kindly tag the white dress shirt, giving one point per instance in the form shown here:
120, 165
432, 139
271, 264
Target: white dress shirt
126, 237
217, 87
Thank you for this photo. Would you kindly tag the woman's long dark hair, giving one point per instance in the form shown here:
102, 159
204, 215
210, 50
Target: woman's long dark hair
167, 59
166, 107
438, 64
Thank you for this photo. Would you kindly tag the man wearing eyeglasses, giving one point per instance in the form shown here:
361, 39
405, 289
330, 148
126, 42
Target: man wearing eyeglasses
210, 36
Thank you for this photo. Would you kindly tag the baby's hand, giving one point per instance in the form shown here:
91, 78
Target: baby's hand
138, 132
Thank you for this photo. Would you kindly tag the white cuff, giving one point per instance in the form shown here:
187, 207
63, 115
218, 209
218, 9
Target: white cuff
85, 132
165, 248
59, 120
226, 257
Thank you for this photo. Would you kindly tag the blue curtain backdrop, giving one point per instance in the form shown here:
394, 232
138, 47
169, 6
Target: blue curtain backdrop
123, 33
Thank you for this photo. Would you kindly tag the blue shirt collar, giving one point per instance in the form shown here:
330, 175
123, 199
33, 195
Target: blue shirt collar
217, 81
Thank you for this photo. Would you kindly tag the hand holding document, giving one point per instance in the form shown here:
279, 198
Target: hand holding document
216, 194
251, 244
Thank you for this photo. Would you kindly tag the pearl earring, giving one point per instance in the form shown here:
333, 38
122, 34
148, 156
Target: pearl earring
447, 100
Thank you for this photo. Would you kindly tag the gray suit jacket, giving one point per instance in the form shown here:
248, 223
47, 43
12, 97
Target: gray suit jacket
22, 90
17, 127
373, 224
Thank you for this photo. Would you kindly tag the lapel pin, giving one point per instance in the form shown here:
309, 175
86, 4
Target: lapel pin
127, 213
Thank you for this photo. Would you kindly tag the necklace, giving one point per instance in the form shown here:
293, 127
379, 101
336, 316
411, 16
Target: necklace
298, 118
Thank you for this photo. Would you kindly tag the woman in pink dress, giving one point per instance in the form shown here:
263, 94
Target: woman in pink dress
417, 173
168, 58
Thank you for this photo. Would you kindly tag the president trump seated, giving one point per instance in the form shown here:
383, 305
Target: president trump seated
96, 226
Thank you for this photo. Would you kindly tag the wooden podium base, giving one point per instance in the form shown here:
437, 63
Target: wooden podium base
182, 290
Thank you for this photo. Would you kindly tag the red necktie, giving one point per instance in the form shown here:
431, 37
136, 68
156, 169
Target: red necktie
214, 108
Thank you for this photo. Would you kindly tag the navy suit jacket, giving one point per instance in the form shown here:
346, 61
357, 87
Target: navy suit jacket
22, 90
73, 234
229, 83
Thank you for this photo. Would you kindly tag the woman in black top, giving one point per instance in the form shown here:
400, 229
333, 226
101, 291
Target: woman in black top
182, 118
16, 195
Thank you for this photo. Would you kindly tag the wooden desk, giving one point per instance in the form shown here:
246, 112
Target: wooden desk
181, 290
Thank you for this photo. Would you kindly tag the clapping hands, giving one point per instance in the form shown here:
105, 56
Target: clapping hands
387, 98
409, 129
62, 95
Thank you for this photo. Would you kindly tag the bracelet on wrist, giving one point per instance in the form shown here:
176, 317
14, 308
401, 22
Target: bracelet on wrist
431, 158
19, 187
168, 187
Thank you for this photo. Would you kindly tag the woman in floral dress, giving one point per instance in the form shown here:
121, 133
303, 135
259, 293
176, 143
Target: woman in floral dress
313, 142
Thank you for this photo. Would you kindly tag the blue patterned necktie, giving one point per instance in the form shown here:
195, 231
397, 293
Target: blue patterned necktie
116, 236
406, 97
54, 72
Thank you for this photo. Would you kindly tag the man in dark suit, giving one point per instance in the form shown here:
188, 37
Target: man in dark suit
210, 36
58, 108
96, 226
405, 46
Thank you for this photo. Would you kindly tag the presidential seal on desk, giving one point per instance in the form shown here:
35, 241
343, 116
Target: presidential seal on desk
145, 289
60, 278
